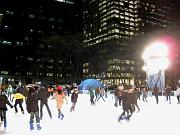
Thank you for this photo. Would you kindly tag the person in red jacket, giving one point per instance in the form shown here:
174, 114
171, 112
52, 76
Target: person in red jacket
59, 95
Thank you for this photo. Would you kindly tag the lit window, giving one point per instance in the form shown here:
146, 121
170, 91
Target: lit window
131, 6
51, 61
6, 42
122, 17
51, 19
29, 73
126, 18
50, 67
131, 23
127, 13
60, 61
31, 16
30, 59
49, 74
126, 22
121, 3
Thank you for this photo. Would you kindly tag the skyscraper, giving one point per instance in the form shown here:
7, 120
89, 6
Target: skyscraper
25, 26
112, 28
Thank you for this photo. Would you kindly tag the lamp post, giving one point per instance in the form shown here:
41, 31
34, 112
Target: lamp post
155, 63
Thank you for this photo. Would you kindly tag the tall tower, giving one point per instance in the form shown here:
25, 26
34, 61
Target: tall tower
25, 27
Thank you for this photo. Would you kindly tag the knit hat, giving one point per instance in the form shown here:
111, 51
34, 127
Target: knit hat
59, 87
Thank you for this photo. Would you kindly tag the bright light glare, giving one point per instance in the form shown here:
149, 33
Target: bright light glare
155, 57
158, 49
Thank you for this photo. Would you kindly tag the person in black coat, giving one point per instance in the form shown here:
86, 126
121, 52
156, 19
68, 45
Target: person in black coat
32, 107
74, 98
126, 104
43, 97
3, 108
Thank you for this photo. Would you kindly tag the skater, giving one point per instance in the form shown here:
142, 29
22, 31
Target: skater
178, 94
32, 107
118, 95
168, 93
68, 90
64, 90
19, 98
138, 93
51, 91
126, 104
10, 91
91, 93
3, 108
74, 98
120, 88
43, 97
144, 94
97, 91
132, 98
59, 95
101, 94
106, 91
156, 93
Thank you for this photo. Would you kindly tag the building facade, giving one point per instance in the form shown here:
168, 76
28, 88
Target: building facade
26, 28
113, 29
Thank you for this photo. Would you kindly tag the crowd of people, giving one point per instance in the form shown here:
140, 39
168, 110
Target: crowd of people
36, 97
33, 95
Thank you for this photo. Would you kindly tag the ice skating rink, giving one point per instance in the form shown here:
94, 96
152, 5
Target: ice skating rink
101, 119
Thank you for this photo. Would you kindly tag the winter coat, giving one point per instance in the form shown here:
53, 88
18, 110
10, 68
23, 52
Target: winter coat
43, 94
126, 103
59, 99
32, 102
91, 93
3, 101
20, 90
178, 92
18, 96
74, 97
156, 90
168, 91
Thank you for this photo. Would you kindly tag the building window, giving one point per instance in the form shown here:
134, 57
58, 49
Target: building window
30, 59
49, 74
31, 16
60, 61
51, 19
50, 67
42, 17
60, 75
6, 42
50, 60
29, 73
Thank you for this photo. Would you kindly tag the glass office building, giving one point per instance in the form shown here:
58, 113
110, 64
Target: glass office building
112, 30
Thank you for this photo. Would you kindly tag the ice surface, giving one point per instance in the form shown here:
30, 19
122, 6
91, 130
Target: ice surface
101, 119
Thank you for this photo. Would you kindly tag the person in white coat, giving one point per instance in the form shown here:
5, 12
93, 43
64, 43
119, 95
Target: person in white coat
178, 93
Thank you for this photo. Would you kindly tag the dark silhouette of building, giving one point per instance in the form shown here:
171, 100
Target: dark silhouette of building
26, 28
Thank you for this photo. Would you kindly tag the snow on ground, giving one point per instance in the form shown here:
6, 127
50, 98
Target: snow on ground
100, 119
